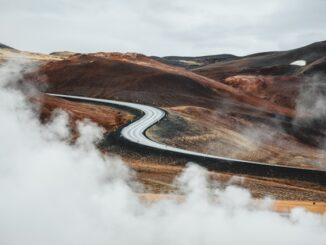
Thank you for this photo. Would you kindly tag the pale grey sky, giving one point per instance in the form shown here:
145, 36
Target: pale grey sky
162, 27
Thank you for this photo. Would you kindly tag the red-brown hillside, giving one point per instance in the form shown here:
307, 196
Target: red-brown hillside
132, 77
244, 102
109, 118
270, 76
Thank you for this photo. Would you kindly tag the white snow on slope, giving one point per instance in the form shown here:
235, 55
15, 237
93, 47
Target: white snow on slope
299, 63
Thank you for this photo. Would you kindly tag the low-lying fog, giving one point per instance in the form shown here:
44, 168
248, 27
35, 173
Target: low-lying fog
56, 193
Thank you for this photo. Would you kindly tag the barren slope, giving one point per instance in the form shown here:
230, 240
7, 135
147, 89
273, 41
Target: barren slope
237, 111
137, 78
268, 63
236, 118
221, 133
109, 118
10, 54
270, 76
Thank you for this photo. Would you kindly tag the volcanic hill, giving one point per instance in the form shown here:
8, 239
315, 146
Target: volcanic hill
240, 107
210, 110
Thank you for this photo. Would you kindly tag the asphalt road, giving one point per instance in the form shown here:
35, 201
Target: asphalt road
135, 132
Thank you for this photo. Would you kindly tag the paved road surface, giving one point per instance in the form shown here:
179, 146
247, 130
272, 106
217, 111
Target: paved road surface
135, 132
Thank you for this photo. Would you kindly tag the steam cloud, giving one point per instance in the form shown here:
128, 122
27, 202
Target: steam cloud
311, 109
312, 97
56, 193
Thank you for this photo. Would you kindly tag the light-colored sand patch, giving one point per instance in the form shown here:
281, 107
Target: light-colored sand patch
283, 206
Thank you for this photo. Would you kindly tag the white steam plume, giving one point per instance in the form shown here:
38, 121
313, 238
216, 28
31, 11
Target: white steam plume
311, 110
55, 193
312, 97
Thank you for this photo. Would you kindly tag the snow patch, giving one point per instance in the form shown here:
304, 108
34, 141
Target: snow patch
299, 63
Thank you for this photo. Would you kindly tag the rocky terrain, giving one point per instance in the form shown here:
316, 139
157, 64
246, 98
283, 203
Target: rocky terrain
250, 108
11, 54
108, 118
245, 115
194, 62
271, 75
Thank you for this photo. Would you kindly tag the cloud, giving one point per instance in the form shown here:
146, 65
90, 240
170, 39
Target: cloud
54, 192
158, 27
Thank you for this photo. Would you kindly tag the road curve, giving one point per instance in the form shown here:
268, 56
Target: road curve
135, 132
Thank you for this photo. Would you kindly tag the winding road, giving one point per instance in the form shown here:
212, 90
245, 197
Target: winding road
135, 133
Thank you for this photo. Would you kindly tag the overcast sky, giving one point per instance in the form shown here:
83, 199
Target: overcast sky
162, 27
